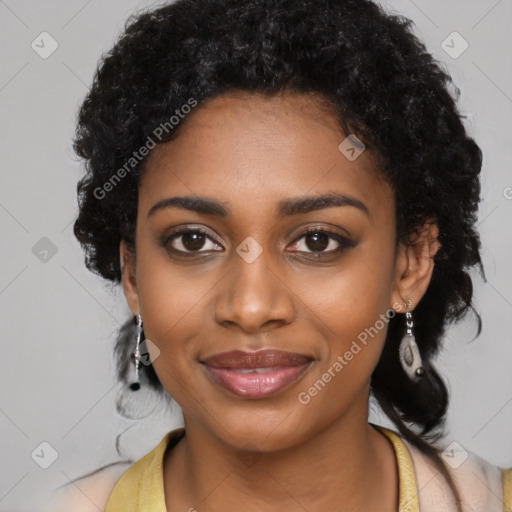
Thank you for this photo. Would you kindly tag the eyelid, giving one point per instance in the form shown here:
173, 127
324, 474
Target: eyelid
176, 232
324, 229
344, 241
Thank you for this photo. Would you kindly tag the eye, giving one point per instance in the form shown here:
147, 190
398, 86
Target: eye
190, 240
318, 239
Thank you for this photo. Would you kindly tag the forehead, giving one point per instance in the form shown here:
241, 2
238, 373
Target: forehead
250, 151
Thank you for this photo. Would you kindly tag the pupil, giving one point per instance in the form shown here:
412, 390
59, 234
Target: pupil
193, 241
320, 241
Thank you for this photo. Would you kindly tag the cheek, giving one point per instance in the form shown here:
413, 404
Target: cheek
357, 319
351, 297
172, 302
351, 309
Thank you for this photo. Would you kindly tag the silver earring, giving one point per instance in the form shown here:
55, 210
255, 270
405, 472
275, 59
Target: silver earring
135, 385
410, 356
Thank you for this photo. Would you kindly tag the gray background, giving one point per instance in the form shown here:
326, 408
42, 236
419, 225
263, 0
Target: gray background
58, 320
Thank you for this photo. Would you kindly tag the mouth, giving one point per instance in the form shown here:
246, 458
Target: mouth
256, 374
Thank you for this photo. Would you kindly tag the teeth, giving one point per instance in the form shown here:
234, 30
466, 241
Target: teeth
256, 370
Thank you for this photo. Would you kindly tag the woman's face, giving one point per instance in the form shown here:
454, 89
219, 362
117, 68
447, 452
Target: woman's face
255, 280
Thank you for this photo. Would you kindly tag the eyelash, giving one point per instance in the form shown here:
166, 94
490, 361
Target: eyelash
344, 243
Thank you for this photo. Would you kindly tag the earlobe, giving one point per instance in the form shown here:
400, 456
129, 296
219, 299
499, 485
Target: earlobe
128, 278
414, 267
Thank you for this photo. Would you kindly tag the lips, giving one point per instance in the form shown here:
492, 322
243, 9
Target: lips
256, 374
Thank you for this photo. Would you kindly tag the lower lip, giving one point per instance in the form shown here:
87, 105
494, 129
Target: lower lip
257, 385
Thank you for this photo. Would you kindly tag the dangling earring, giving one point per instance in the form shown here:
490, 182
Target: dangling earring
409, 353
135, 385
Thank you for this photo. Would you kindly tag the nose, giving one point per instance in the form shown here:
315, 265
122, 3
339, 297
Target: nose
253, 297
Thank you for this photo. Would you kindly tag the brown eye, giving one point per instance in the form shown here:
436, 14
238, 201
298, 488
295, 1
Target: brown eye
193, 241
190, 241
318, 240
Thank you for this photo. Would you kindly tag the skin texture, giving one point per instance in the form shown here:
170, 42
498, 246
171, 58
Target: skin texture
250, 152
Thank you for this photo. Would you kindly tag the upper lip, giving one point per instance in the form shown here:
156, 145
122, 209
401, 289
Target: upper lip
261, 359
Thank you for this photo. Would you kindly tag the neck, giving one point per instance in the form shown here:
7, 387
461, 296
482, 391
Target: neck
345, 467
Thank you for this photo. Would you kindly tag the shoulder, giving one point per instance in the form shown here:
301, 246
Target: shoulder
92, 492
479, 482
89, 493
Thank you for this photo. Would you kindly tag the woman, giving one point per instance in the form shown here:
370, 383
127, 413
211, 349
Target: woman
271, 183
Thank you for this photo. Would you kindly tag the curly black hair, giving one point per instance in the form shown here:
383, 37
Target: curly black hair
379, 81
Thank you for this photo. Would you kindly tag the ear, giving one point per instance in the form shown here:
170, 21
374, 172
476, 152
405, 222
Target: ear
128, 279
414, 267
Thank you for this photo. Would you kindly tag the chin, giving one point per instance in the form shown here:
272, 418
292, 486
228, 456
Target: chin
267, 429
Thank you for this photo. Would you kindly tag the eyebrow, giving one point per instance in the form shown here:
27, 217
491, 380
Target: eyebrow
286, 207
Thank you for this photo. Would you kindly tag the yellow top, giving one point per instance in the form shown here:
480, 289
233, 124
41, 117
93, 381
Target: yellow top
141, 488
507, 490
